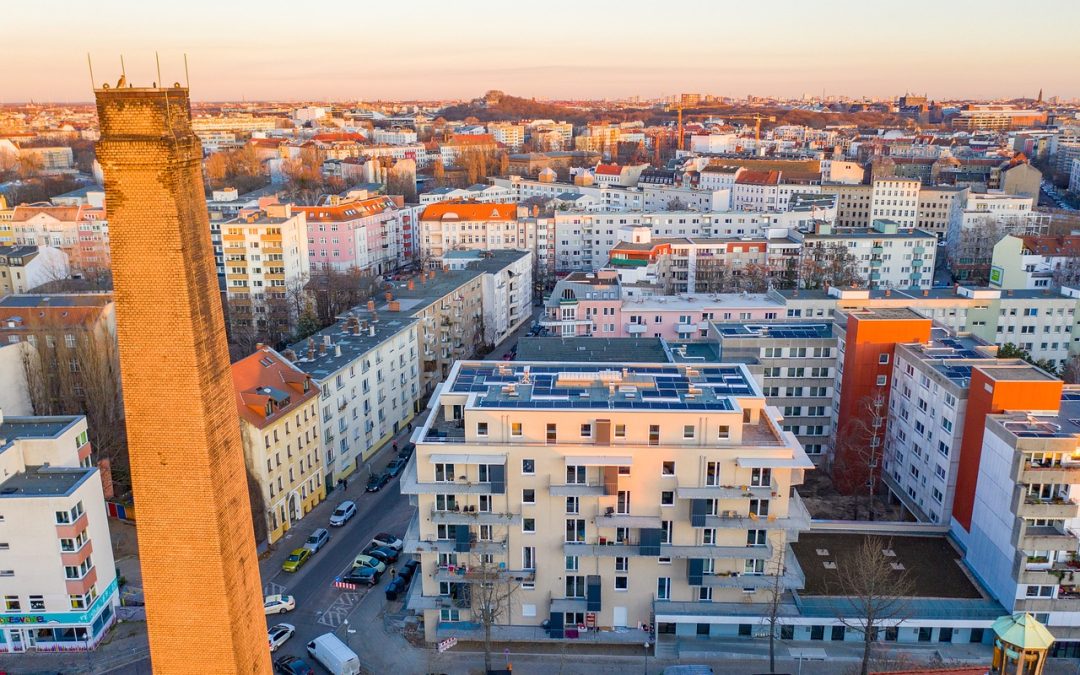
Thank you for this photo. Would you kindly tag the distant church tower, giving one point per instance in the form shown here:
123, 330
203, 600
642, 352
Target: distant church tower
196, 545
1040, 95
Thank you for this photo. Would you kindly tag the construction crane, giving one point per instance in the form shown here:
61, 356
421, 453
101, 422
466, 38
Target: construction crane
757, 121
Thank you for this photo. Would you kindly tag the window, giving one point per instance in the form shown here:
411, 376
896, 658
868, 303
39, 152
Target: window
704, 594
586, 431
622, 564
575, 530
654, 434
724, 431
620, 431
575, 475
481, 428
881, 380
573, 505
688, 431
515, 428
622, 583
756, 538
11, 603
444, 473
622, 502
528, 557
883, 358
575, 586
761, 477
663, 588
528, 496
667, 469
552, 436
528, 466
759, 507
667, 498
817, 632
837, 634
528, 526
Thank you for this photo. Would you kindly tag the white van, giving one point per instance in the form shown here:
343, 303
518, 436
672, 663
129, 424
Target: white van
334, 655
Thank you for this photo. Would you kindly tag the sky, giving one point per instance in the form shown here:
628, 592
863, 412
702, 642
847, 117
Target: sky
336, 50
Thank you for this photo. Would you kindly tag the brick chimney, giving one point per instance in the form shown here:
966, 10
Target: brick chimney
389, 296
395, 306
412, 285
371, 305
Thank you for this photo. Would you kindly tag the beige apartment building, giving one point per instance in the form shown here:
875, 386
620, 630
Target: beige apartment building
601, 496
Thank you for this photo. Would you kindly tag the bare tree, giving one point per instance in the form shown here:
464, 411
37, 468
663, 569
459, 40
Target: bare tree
492, 598
773, 603
828, 264
1070, 370
874, 593
860, 449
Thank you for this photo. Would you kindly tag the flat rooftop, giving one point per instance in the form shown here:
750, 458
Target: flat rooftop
1065, 424
1018, 373
333, 348
699, 301
44, 481
35, 427
57, 300
563, 350
776, 330
518, 384
932, 563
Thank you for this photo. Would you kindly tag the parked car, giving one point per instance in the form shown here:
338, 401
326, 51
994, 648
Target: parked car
278, 604
364, 560
362, 575
406, 450
342, 514
409, 569
296, 559
279, 633
317, 540
395, 588
384, 553
387, 539
293, 665
396, 467
377, 481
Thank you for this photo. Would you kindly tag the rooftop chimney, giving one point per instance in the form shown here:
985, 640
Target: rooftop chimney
389, 296
926, 292
289, 354
412, 285
259, 346
371, 330
322, 348
395, 306
311, 348
337, 350
371, 305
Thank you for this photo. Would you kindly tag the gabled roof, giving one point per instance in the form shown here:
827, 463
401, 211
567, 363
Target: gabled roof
1065, 246
454, 210
65, 214
360, 208
471, 139
266, 377
755, 177
608, 170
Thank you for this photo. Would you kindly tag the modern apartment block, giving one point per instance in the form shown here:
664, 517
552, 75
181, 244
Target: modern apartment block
262, 262
368, 234
1023, 528
367, 369
57, 574
887, 254
606, 495
795, 364
279, 424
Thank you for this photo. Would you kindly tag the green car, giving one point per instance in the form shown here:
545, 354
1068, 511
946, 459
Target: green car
296, 559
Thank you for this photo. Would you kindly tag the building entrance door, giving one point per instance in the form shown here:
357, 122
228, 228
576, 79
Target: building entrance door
16, 637
618, 617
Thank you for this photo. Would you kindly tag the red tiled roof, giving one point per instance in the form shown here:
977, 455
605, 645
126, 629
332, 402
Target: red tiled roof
472, 139
609, 169
1066, 246
469, 211
754, 177
342, 136
360, 208
266, 375
65, 214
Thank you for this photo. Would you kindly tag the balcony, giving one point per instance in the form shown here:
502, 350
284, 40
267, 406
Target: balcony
1048, 539
726, 492
685, 328
591, 489
710, 551
612, 519
1048, 473
919, 250
1057, 508
636, 328
464, 574
72, 529
411, 485
603, 548
459, 517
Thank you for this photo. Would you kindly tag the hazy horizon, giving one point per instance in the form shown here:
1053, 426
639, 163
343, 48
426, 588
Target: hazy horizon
270, 50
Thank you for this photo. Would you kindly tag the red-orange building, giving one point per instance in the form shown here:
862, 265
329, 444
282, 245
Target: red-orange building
868, 338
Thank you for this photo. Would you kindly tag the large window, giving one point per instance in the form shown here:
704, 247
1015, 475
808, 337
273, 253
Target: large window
575, 530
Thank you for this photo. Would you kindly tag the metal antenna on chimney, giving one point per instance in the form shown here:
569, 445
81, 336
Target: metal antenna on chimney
158, 60
123, 71
187, 78
90, 64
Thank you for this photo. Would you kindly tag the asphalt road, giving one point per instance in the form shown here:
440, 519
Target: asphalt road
321, 608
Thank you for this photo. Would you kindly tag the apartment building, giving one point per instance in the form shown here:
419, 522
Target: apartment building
366, 368
895, 199
484, 194
449, 226
57, 573
510, 135
853, 203
393, 136
1023, 524
278, 408
460, 144
795, 364
262, 262
81, 232
25, 267
662, 509
940, 207
610, 197
1034, 262
1074, 177
888, 255
931, 383
584, 241
987, 218
363, 233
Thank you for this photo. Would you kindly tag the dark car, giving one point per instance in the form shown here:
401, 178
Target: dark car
384, 553
377, 481
395, 588
396, 467
293, 665
362, 575
406, 450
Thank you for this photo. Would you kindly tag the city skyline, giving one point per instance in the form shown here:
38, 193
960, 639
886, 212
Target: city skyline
781, 51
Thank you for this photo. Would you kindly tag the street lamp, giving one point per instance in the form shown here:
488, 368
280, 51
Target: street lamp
646, 657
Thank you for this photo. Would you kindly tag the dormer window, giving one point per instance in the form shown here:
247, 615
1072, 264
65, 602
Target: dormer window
307, 386
269, 408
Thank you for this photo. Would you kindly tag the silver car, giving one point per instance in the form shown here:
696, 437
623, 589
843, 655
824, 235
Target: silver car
317, 540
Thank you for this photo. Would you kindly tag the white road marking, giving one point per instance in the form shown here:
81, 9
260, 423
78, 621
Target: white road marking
339, 609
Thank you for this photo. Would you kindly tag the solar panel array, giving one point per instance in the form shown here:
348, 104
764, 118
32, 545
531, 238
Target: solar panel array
655, 388
1070, 396
960, 350
788, 331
